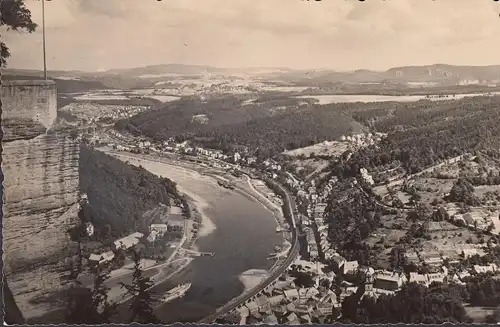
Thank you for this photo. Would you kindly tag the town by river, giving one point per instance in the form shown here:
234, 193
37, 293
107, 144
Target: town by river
242, 235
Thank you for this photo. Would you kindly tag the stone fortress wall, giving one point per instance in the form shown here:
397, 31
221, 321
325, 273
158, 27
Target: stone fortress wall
41, 196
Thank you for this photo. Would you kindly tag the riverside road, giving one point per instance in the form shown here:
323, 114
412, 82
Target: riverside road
271, 278
275, 273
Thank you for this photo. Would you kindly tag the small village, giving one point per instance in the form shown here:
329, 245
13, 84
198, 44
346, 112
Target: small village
316, 284
164, 248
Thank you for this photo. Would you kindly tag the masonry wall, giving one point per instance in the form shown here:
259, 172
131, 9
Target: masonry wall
34, 100
41, 197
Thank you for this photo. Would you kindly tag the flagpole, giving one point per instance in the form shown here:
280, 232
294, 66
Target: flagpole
43, 35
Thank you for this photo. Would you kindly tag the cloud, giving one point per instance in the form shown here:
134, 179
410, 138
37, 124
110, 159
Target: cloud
90, 34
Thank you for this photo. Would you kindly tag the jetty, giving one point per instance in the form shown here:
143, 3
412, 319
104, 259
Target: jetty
198, 254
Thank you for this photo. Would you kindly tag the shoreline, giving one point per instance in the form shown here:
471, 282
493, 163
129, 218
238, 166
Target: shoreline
206, 225
199, 205
252, 278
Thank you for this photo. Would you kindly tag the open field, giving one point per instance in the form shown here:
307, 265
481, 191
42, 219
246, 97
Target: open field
327, 148
339, 98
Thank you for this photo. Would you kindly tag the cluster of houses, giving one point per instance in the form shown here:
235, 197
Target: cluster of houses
316, 227
363, 139
124, 243
292, 305
121, 112
101, 112
224, 87
285, 303
479, 220
175, 223
171, 146
366, 176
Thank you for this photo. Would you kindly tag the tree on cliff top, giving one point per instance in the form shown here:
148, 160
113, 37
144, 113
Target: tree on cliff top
91, 306
15, 15
140, 290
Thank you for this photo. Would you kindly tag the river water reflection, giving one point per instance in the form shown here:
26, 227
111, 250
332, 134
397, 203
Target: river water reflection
344, 98
243, 238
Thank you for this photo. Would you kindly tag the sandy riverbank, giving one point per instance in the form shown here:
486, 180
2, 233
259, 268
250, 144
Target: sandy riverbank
270, 205
251, 278
190, 178
200, 205
161, 167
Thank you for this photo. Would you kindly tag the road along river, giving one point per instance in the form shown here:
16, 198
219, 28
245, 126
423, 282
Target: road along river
240, 231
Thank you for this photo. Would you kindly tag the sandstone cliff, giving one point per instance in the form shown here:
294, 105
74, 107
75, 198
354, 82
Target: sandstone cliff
41, 193
43, 175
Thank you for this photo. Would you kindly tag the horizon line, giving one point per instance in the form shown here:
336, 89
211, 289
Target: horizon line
110, 70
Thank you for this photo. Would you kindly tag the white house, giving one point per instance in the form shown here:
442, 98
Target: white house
350, 267
291, 294
418, 278
485, 269
101, 258
158, 228
152, 236
128, 241
252, 307
436, 277
389, 282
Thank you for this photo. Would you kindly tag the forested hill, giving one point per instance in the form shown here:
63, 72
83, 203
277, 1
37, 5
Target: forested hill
269, 123
421, 132
118, 193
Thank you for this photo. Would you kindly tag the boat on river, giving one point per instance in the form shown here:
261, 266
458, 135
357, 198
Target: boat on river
176, 292
226, 185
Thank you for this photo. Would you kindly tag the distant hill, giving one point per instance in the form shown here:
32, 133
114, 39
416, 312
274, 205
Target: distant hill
268, 124
179, 69
63, 85
438, 74
167, 69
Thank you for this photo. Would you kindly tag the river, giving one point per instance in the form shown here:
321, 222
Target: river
243, 237
343, 98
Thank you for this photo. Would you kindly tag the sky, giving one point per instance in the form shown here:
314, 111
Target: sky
93, 35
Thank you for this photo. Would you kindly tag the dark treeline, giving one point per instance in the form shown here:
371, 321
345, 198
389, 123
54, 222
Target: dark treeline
424, 134
281, 193
176, 118
273, 135
351, 218
118, 193
267, 125
438, 303
92, 305
421, 133
412, 304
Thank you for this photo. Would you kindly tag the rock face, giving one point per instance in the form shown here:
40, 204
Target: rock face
41, 194
41, 198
